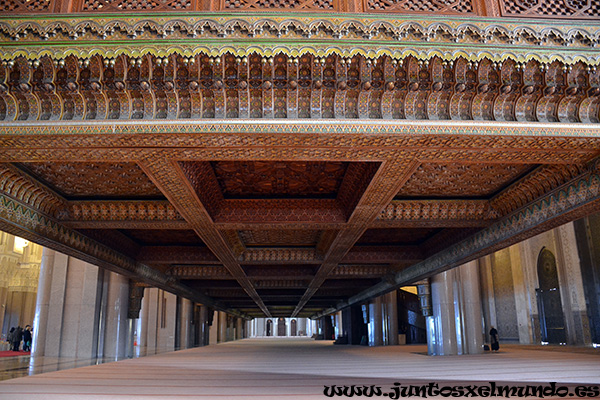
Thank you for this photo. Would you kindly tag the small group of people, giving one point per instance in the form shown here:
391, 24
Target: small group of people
18, 334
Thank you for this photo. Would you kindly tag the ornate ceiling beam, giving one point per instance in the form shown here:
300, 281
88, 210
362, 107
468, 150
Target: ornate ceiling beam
172, 181
486, 141
390, 176
578, 197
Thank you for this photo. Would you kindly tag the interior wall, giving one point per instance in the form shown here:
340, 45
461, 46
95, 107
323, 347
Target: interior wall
509, 280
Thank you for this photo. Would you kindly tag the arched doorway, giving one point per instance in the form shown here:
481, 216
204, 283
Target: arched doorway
269, 327
293, 328
552, 319
281, 327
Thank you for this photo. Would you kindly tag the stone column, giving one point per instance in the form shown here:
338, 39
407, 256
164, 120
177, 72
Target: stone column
40, 322
222, 332
471, 308
204, 327
143, 324
239, 329
185, 324
444, 322
456, 326
375, 322
391, 318
115, 330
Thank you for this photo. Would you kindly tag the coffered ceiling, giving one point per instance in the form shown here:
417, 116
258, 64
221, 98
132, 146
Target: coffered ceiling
296, 229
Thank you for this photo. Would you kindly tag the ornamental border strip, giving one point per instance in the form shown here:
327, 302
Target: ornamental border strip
136, 35
298, 126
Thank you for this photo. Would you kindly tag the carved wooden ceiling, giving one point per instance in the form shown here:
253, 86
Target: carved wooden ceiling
282, 220
293, 178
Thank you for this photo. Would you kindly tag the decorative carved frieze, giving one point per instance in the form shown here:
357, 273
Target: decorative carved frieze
278, 255
121, 210
403, 212
184, 87
199, 272
543, 180
358, 271
22, 187
289, 27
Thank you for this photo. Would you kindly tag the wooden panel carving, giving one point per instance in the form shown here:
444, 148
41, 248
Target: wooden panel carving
279, 179
94, 180
580, 9
17, 6
134, 5
290, 237
455, 180
278, 4
427, 6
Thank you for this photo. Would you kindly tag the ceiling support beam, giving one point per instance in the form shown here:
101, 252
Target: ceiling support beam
171, 180
381, 190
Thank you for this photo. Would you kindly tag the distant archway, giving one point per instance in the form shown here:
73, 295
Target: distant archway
552, 319
269, 327
293, 328
281, 327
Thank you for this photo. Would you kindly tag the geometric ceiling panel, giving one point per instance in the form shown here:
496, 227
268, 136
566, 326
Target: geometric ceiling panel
286, 237
461, 180
277, 179
163, 237
91, 180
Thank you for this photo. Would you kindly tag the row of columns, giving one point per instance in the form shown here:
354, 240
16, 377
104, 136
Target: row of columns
89, 314
259, 327
451, 304
85, 312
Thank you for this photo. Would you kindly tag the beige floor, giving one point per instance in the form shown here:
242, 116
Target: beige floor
298, 369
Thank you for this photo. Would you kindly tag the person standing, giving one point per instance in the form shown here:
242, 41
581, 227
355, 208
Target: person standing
10, 337
17, 338
494, 341
27, 338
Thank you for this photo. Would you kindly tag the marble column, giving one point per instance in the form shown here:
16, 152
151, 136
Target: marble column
143, 323
456, 326
239, 329
185, 323
442, 297
375, 327
115, 329
71, 326
468, 275
222, 332
40, 321
204, 327
391, 318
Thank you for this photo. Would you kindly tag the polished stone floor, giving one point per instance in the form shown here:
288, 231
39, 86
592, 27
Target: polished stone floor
293, 368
